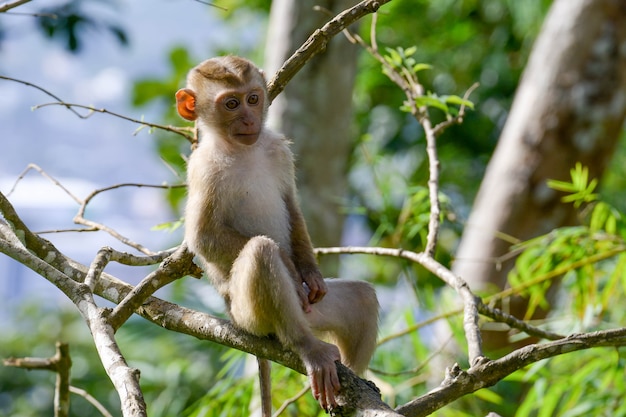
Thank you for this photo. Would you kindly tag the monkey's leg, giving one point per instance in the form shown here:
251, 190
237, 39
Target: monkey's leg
348, 315
264, 300
263, 296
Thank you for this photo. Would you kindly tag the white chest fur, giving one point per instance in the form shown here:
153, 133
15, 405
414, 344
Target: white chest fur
254, 186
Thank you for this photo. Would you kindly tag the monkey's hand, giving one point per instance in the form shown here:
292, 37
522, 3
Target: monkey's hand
314, 281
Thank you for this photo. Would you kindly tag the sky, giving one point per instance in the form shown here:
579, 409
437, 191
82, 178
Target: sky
86, 154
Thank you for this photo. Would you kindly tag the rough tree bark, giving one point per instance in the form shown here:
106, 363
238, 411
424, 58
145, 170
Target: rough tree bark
570, 107
315, 111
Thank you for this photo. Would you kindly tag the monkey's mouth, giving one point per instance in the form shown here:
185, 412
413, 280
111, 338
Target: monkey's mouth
247, 138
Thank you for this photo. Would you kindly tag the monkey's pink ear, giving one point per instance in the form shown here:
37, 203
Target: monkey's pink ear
186, 104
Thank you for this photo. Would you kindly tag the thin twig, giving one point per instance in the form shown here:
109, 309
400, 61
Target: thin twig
79, 218
43, 90
91, 225
9, 6
44, 174
439, 128
413, 90
557, 272
186, 132
212, 5
292, 400
433, 185
90, 399
415, 327
418, 369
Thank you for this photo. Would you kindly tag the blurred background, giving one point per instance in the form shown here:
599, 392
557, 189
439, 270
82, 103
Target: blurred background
129, 57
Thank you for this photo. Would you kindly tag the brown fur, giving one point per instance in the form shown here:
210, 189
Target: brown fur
244, 224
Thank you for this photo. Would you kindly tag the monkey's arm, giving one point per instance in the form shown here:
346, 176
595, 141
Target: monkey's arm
302, 252
208, 235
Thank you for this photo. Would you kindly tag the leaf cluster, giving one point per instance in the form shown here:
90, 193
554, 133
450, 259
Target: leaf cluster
70, 22
589, 259
401, 60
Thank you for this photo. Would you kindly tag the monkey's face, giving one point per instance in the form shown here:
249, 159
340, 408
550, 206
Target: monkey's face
240, 114
227, 96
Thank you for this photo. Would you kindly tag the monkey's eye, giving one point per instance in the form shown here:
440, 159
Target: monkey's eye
253, 99
232, 103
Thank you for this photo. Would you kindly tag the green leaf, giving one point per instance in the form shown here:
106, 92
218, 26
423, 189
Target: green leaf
458, 101
431, 101
421, 67
410, 51
169, 226
580, 189
394, 58
564, 186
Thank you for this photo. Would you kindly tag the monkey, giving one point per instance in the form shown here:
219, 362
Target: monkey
245, 227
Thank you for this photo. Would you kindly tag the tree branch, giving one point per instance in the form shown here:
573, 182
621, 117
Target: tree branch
124, 378
60, 364
317, 42
177, 265
470, 301
8, 6
93, 226
186, 132
203, 326
489, 373
168, 315
91, 400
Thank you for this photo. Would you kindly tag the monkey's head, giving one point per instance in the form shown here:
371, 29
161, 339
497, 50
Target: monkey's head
227, 95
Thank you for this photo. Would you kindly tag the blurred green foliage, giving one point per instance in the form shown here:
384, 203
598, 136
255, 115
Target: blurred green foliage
588, 260
589, 264
67, 22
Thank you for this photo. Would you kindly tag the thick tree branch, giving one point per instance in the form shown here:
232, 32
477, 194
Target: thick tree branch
173, 317
168, 315
461, 383
177, 265
124, 378
206, 327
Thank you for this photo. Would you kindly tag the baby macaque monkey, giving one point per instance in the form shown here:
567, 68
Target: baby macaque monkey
244, 224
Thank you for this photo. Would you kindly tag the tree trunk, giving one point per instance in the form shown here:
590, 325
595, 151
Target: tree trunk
315, 111
569, 108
